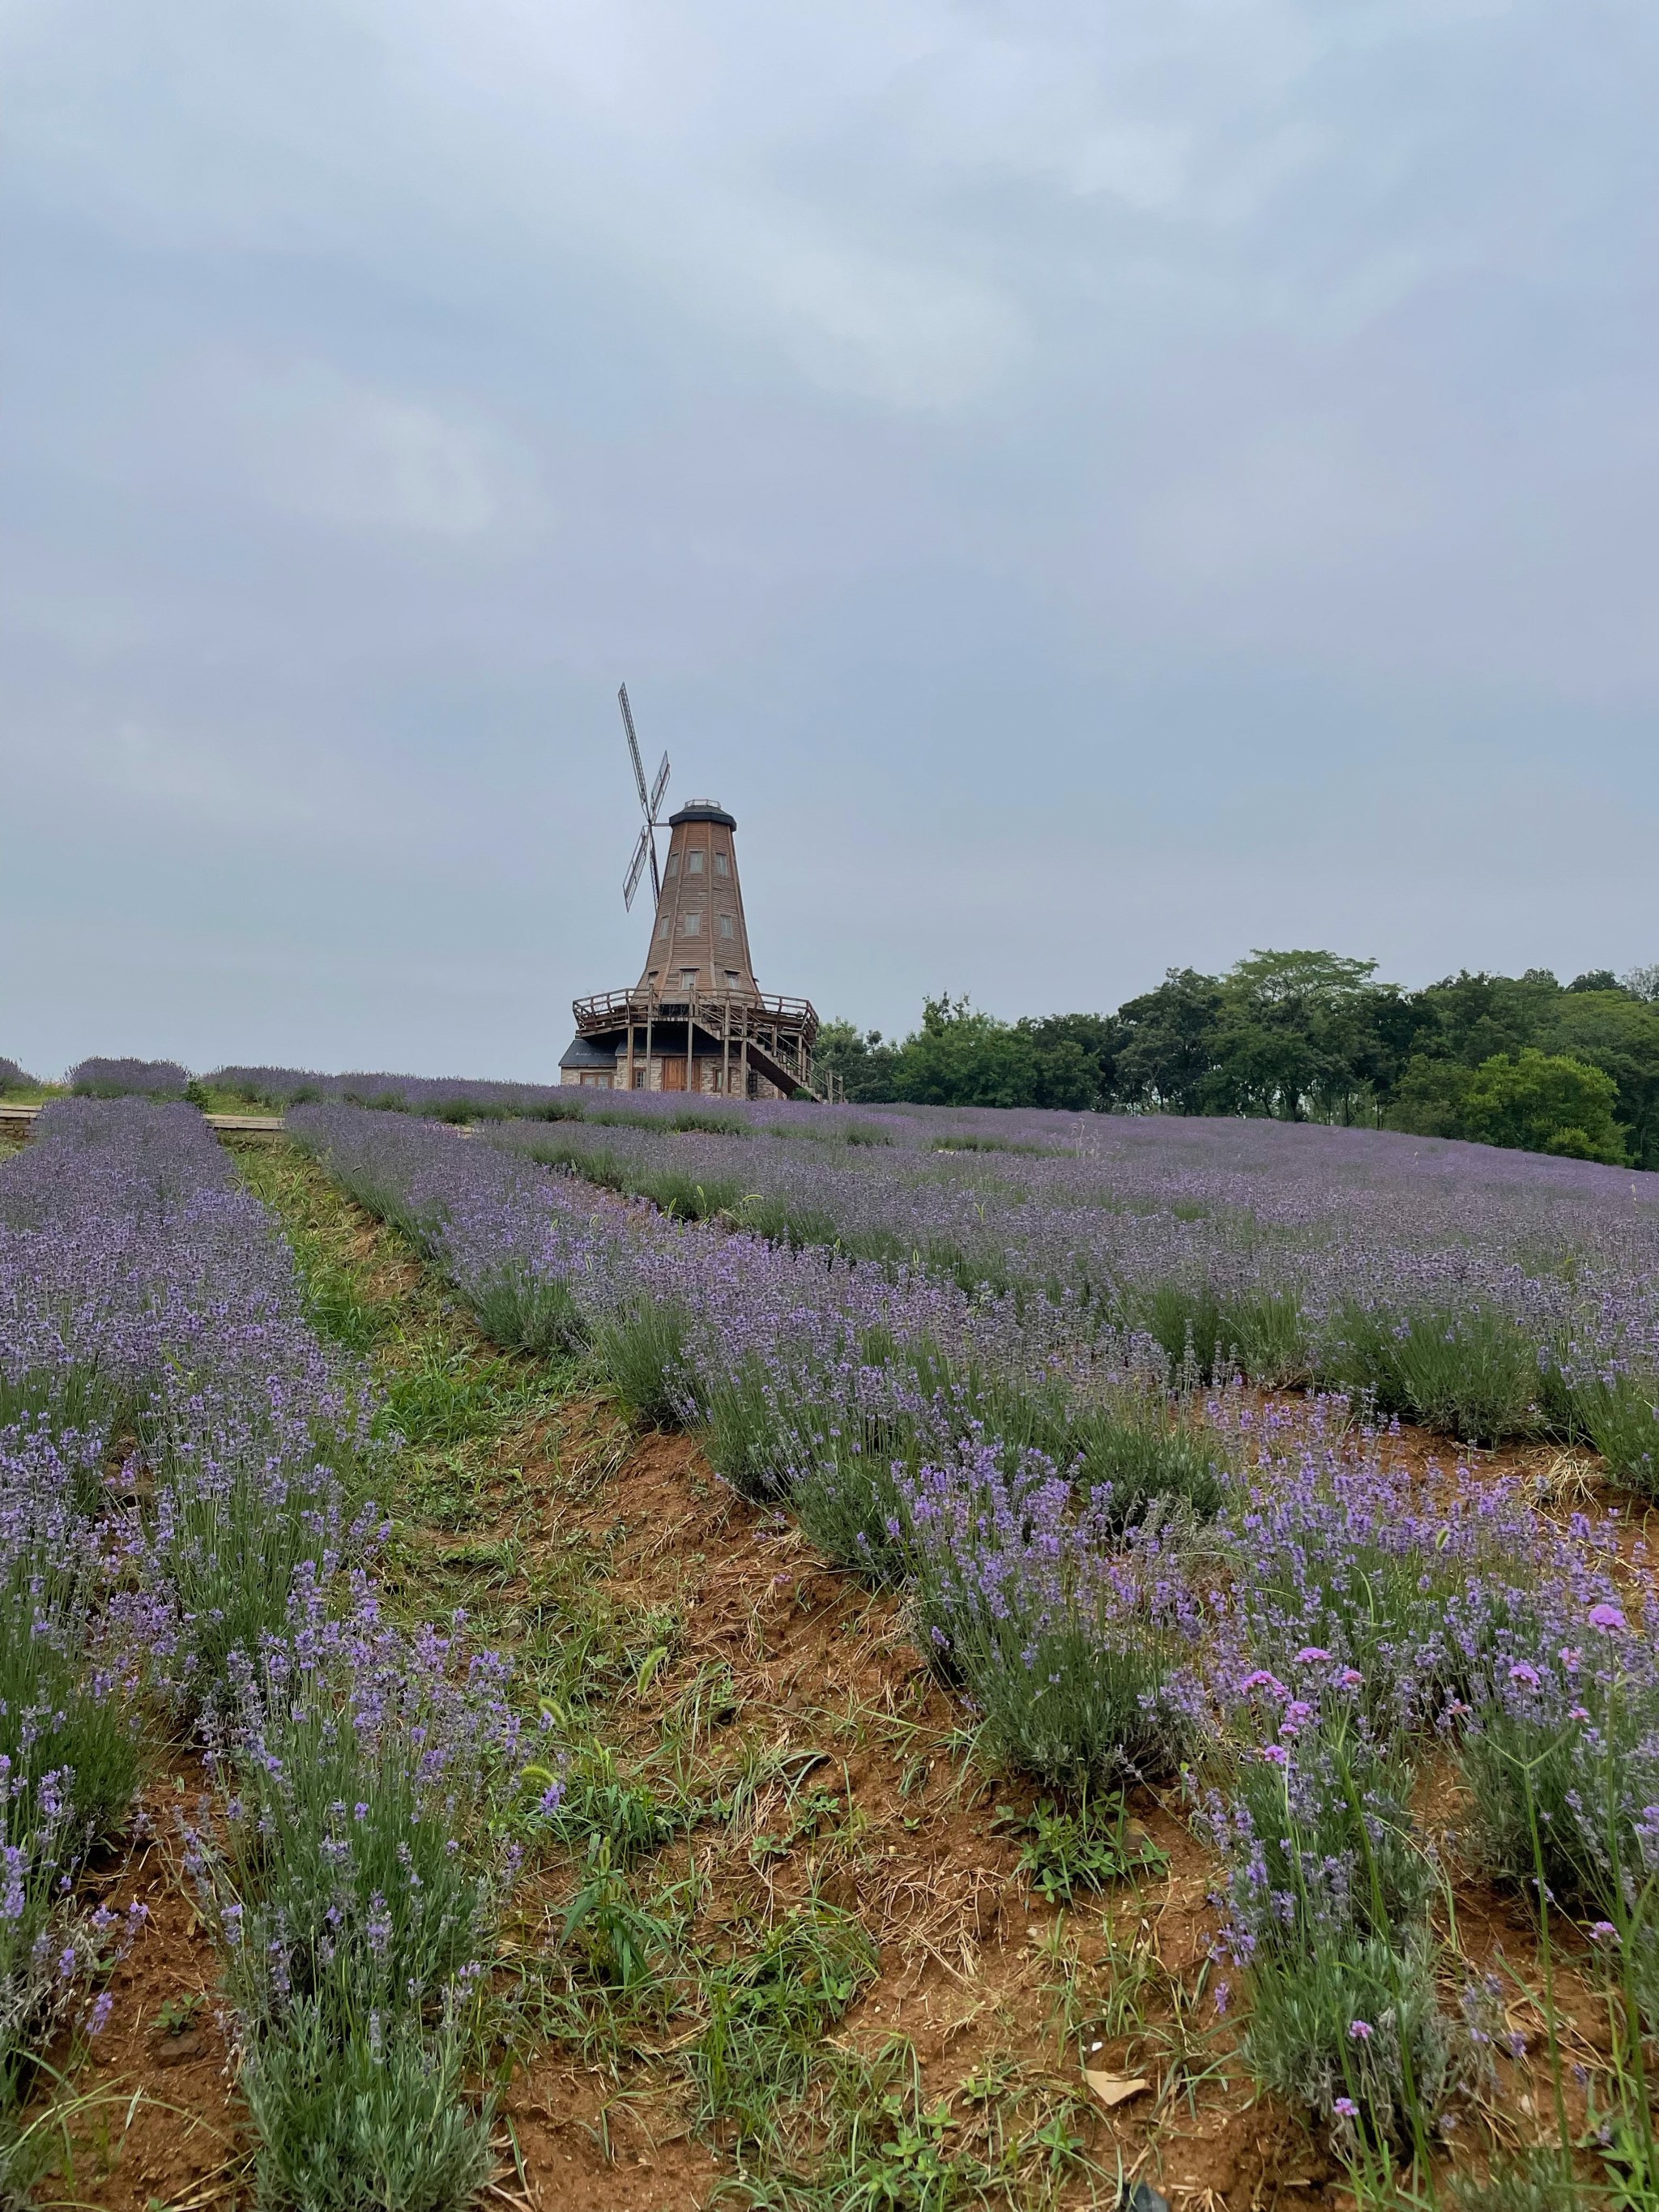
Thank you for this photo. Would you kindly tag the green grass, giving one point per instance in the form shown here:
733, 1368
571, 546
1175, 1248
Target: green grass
677, 1936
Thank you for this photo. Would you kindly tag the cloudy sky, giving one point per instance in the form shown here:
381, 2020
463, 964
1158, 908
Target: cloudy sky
1092, 484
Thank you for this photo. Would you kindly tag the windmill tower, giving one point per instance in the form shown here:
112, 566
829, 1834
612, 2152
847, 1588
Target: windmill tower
697, 1019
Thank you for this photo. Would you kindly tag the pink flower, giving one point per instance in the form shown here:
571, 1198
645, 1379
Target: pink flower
1262, 1680
1275, 1754
1520, 1672
1346, 2109
1311, 1655
1360, 2031
1607, 1618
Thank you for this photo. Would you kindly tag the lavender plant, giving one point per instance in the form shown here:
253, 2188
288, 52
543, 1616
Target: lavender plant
1076, 1655
1560, 1747
129, 1079
1327, 1900
356, 1895
141, 1290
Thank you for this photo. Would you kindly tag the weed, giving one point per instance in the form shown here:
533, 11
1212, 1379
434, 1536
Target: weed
767, 2009
1088, 1848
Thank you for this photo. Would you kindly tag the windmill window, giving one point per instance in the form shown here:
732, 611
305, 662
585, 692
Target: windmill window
690, 925
688, 978
694, 864
722, 866
662, 926
732, 979
673, 868
728, 929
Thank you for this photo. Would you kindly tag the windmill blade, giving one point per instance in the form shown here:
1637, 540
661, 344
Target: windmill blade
646, 847
633, 748
658, 788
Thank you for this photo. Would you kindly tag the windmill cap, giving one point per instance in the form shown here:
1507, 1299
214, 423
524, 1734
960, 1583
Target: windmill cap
703, 810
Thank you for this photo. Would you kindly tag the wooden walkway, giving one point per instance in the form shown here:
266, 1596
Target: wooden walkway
271, 1122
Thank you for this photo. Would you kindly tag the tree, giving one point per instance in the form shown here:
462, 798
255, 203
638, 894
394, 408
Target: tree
1428, 1099
1544, 1102
860, 1062
1167, 1057
1643, 982
1076, 1059
1294, 1034
961, 1057
1476, 1016
1620, 1035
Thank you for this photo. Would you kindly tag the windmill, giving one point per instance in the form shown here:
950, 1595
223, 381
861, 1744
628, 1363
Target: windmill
649, 803
696, 1020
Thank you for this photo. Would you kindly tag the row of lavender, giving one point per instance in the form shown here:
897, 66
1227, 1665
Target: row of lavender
1485, 1304
187, 1536
1334, 1622
1483, 1292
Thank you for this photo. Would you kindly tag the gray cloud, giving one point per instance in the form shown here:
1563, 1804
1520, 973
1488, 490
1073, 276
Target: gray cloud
1091, 487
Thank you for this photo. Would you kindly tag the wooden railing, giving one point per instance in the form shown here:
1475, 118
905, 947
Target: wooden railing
794, 1019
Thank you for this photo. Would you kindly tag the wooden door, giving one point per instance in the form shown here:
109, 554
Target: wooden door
673, 1071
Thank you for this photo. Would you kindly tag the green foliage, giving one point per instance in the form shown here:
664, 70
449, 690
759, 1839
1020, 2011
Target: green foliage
861, 1062
1293, 1035
641, 1351
1299, 2043
378, 2125
1620, 1414
768, 2010
1538, 2179
1537, 1103
1618, 1033
525, 1312
1088, 1848
1168, 1051
961, 1057
1428, 1099
601, 1812
1467, 1371
1302, 1035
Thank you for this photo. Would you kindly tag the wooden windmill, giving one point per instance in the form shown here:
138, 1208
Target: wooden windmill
696, 1019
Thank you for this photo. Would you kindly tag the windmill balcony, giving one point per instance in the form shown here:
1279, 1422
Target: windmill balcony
745, 1043
614, 1010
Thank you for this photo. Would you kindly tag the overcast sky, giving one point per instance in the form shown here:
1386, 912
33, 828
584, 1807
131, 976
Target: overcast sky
1091, 487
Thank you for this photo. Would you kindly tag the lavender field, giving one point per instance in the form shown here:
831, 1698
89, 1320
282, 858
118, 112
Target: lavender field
973, 1370
1263, 1507
189, 1543
1482, 1293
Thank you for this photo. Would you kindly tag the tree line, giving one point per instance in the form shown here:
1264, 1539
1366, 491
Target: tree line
1521, 1060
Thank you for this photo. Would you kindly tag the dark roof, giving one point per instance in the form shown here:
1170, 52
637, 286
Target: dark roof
702, 810
588, 1052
